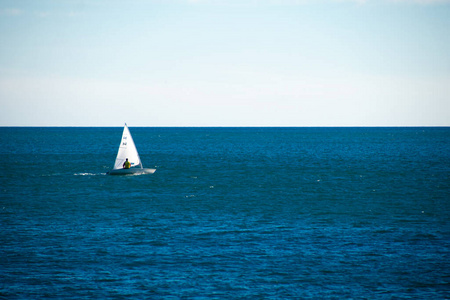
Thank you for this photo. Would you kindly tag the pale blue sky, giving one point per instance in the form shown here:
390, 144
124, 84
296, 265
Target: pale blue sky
225, 63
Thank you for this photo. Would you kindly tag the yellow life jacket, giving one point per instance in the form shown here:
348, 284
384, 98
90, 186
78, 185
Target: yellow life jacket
127, 165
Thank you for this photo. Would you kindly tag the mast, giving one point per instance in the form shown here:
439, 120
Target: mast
137, 153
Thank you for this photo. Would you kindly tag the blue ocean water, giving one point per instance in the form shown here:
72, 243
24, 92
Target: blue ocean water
231, 213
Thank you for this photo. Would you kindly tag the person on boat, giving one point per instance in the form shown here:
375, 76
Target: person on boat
126, 164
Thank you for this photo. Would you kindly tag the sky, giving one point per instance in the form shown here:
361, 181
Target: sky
225, 63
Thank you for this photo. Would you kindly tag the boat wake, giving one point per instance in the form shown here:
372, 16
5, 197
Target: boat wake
88, 174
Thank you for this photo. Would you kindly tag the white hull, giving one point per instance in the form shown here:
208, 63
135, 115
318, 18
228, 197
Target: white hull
132, 171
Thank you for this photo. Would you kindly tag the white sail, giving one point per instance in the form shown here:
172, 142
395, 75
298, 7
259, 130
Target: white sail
127, 149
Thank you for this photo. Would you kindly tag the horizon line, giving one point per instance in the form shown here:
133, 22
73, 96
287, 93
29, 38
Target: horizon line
227, 126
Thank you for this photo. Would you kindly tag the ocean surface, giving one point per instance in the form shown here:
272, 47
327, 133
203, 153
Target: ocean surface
230, 213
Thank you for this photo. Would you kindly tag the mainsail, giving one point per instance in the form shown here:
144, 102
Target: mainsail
127, 149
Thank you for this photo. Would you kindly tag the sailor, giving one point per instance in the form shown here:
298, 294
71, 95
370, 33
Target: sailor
126, 164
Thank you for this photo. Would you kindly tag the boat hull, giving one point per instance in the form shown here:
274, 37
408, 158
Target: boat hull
132, 171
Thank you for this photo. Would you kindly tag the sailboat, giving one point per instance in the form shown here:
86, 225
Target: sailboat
127, 150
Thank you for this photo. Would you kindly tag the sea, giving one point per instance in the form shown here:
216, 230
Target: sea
230, 213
